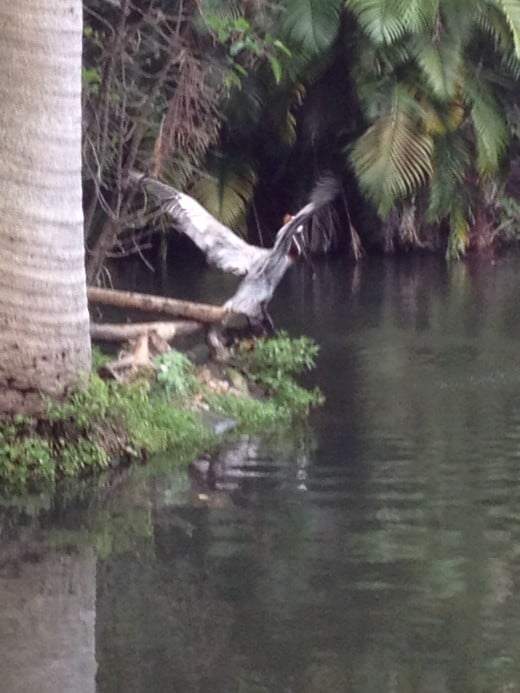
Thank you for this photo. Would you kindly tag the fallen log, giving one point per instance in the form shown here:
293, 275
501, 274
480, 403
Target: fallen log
202, 312
123, 332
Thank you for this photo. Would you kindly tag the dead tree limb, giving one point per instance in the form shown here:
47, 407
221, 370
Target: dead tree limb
201, 312
123, 332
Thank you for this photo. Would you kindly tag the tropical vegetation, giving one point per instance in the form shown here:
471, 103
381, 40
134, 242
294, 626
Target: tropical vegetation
413, 104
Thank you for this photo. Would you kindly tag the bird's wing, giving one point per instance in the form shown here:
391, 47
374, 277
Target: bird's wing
325, 190
257, 288
220, 245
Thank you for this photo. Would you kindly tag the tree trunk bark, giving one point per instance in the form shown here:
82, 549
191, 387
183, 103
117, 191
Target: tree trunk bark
44, 322
201, 312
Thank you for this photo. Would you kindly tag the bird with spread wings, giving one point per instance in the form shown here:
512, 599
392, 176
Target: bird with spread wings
262, 268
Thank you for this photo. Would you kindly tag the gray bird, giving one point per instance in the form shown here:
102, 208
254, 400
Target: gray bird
262, 268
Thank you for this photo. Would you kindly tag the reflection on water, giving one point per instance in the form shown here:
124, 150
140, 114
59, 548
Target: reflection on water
377, 550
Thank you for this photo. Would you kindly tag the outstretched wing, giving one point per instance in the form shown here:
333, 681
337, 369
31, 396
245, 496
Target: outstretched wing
257, 288
325, 190
220, 245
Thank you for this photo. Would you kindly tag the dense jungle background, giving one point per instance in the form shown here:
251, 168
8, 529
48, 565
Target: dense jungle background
413, 104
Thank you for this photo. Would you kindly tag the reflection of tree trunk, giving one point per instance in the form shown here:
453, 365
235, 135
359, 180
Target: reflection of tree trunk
47, 632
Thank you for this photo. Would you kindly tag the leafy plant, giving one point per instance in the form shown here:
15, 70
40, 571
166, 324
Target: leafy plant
175, 373
271, 360
272, 364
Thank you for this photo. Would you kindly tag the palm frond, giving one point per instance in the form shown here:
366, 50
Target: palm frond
493, 21
393, 157
511, 10
384, 21
511, 64
227, 193
489, 124
420, 15
440, 119
441, 63
311, 24
450, 162
457, 18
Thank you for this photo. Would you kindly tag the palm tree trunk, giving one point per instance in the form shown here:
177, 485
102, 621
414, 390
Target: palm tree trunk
44, 323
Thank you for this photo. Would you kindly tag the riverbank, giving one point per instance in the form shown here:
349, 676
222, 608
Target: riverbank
106, 424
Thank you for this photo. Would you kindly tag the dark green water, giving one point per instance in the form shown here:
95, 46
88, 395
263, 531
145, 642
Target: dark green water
376, 551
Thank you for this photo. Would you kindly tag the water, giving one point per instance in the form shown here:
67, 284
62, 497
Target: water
376, 550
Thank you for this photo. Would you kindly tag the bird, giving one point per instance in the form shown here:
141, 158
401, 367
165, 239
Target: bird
261, 268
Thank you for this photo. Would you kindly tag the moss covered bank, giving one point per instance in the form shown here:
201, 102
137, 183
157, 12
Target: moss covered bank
105, 424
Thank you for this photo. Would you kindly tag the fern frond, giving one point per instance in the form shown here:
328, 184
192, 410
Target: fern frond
393, 157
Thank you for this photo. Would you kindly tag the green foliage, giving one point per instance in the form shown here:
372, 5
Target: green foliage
24, 458
95, 428
450, 162
393, 157
99, 359
446, 76
245, 42
92, 80
288, 403
264, 99
226, 193
272, 364
82, 456
313, 25
175, 374
105, 422
156, 426
511, 11
251, 414
490, 127
384, 22
441, 62
271, 360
